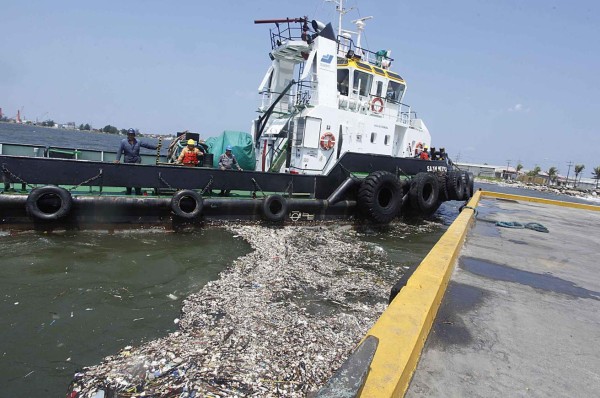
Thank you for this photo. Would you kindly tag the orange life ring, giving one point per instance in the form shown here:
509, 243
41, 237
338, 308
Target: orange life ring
417, 147
377, 105
327, 141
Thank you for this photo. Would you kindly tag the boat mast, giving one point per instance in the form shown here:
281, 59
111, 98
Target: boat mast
339, 7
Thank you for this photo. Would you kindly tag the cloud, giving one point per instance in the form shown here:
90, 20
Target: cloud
518, 108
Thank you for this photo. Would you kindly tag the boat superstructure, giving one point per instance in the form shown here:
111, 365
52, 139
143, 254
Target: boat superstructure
324, 95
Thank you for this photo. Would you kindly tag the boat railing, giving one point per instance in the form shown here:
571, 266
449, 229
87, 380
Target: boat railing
284, 106
13, 149
284, 32
402, 113
347, 49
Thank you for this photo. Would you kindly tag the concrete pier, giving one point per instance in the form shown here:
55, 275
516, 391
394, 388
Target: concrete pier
520, 315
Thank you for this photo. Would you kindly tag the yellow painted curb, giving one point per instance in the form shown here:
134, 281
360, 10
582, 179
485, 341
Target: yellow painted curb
489, 194
403, 327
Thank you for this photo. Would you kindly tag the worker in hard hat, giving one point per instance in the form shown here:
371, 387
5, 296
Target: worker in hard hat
227, 161
190, 155
130, 149
425, 154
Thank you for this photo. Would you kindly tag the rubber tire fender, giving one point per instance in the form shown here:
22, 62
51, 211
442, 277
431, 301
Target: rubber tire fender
469, 186
455, 185
424, 193
179, 211
274, 208
380, 197
33, 208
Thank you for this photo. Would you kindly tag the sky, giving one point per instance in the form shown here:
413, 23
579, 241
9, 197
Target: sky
497, 82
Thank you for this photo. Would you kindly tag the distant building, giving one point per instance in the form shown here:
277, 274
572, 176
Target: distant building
491, 171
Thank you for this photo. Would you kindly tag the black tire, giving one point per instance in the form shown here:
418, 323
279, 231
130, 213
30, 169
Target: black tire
49, 203
455, 184
380, 197
187, 204
469, 185
424, 193
443, 188
274, 208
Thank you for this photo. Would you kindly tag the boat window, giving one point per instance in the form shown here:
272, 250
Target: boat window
386, 140
394, 75
343, 79
373, 137
364, 66
379, 89
362, 83
379, 71
395, 91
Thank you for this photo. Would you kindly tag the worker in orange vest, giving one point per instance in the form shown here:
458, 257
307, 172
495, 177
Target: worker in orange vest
425, 154
190, 155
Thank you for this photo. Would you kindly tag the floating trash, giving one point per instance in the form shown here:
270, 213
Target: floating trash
278, 322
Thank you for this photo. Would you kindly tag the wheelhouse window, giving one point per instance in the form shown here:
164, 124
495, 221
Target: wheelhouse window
343, 81
362, 83
373, 137
395, 91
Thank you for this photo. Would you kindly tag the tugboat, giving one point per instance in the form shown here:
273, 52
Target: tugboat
333, 140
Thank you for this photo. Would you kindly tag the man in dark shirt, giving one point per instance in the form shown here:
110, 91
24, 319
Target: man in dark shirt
130, 148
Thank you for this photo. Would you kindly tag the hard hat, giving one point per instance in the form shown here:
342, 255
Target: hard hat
229, 148
425, 147
131, 131
191, 142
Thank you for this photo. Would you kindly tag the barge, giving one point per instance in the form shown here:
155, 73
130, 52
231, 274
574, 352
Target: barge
332, 140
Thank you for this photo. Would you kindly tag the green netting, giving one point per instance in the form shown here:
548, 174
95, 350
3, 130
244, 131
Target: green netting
243, 148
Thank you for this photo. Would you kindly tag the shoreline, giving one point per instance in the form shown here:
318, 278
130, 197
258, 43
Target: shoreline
593, 196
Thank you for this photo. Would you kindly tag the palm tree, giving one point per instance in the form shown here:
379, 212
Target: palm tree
552, 173
519, 167
536, 170
596, 175
578, 169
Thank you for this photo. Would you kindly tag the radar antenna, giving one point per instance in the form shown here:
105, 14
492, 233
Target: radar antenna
360, 26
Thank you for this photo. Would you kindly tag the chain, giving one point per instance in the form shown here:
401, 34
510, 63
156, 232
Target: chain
15, 177
164, 181
257, 188
87, 181
208, 185
289, 189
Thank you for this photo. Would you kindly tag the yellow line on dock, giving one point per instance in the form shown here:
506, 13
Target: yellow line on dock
404, 326
489, 194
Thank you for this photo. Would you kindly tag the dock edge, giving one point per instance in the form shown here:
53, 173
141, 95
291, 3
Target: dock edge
403, 327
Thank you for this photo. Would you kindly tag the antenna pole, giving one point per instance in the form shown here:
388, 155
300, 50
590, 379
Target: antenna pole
341, 11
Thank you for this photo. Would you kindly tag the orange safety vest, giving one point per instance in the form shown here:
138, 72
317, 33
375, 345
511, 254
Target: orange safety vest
424, 155
190, 157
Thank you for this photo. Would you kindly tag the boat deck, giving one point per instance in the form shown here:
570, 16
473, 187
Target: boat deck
520, 315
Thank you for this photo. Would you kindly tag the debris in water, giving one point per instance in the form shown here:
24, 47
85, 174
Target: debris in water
278, 322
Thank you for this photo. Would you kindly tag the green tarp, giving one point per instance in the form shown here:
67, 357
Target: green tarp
243, 148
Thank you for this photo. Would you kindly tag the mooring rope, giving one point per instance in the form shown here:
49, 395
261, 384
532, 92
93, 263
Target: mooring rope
534, 226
